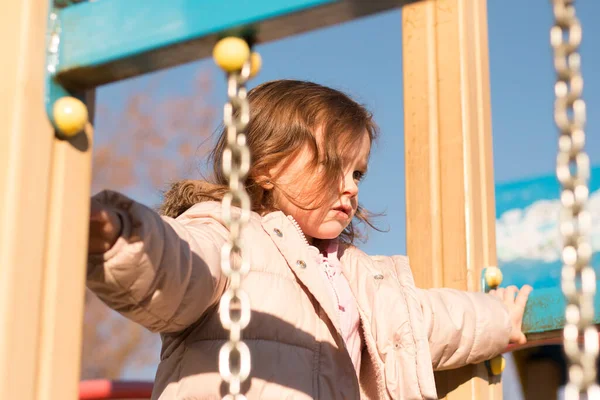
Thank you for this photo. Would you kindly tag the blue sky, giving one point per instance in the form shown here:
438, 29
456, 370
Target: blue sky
363, 58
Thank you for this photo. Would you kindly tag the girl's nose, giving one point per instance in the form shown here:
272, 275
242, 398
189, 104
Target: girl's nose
350, 186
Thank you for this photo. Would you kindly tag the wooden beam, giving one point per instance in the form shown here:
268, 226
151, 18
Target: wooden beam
25, 158
44, 201
65, 266
162, 34
449, 170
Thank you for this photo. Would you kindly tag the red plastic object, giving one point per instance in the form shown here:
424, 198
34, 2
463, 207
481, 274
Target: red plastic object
104, 389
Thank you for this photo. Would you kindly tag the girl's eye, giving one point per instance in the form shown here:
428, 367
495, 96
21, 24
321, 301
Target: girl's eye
358, 176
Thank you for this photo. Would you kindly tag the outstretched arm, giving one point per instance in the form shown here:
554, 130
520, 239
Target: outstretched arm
160, 272
468, 327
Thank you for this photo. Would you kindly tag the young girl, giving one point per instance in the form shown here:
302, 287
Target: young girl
328, 321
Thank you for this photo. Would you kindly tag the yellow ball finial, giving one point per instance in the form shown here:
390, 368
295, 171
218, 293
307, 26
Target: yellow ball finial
70, 116
497, 365
255, 64
231, 53
493, 277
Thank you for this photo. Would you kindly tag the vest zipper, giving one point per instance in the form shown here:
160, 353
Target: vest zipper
302, 235
320, 313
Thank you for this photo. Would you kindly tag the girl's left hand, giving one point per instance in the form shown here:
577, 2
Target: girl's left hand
515, 300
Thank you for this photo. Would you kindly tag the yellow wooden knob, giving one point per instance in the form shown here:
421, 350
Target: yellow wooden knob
497, 365
70, 115
493, 277
255, 64
231, 53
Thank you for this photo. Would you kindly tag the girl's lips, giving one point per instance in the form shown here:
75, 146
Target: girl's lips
343, 211
340, 216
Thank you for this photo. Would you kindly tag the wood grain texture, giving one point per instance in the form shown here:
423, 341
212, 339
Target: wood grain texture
449, 176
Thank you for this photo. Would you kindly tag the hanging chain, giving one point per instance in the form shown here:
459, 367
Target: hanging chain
573, 170
234, 309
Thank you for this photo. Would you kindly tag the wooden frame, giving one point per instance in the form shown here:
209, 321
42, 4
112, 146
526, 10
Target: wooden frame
448, 154
44, 206
162, 34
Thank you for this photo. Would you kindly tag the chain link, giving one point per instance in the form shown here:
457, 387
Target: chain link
573, 170
234, 308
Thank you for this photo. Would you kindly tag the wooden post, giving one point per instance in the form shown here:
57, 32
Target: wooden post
541, 365
543, 379
44, 206
65, 266
449, 170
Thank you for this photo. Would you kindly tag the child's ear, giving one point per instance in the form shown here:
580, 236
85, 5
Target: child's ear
264, 181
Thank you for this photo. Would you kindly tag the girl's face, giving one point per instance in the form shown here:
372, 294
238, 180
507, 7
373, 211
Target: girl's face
334, 215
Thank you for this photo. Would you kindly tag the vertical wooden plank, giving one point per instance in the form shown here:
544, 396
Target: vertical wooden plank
65, 269
449, 175
44, 204
543, 379
421, 136
25, 156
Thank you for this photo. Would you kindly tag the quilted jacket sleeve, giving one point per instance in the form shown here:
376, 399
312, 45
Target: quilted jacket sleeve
463, 327
161, 273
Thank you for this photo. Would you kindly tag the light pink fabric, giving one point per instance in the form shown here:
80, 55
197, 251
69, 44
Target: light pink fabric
347, 308
165, 274
340, 294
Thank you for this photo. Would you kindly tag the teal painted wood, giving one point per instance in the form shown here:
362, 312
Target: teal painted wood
546, 310
96, 33
528, 245
109, 40
112, 29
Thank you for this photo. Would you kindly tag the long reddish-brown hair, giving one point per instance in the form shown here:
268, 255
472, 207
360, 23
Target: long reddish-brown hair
284, 118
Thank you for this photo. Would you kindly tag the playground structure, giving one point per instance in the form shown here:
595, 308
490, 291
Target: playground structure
62, 51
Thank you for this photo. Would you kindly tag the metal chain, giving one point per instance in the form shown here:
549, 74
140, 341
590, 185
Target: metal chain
573, 170
234, 308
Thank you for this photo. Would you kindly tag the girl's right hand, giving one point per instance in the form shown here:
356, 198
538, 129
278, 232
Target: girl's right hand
515, 300
105, 228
